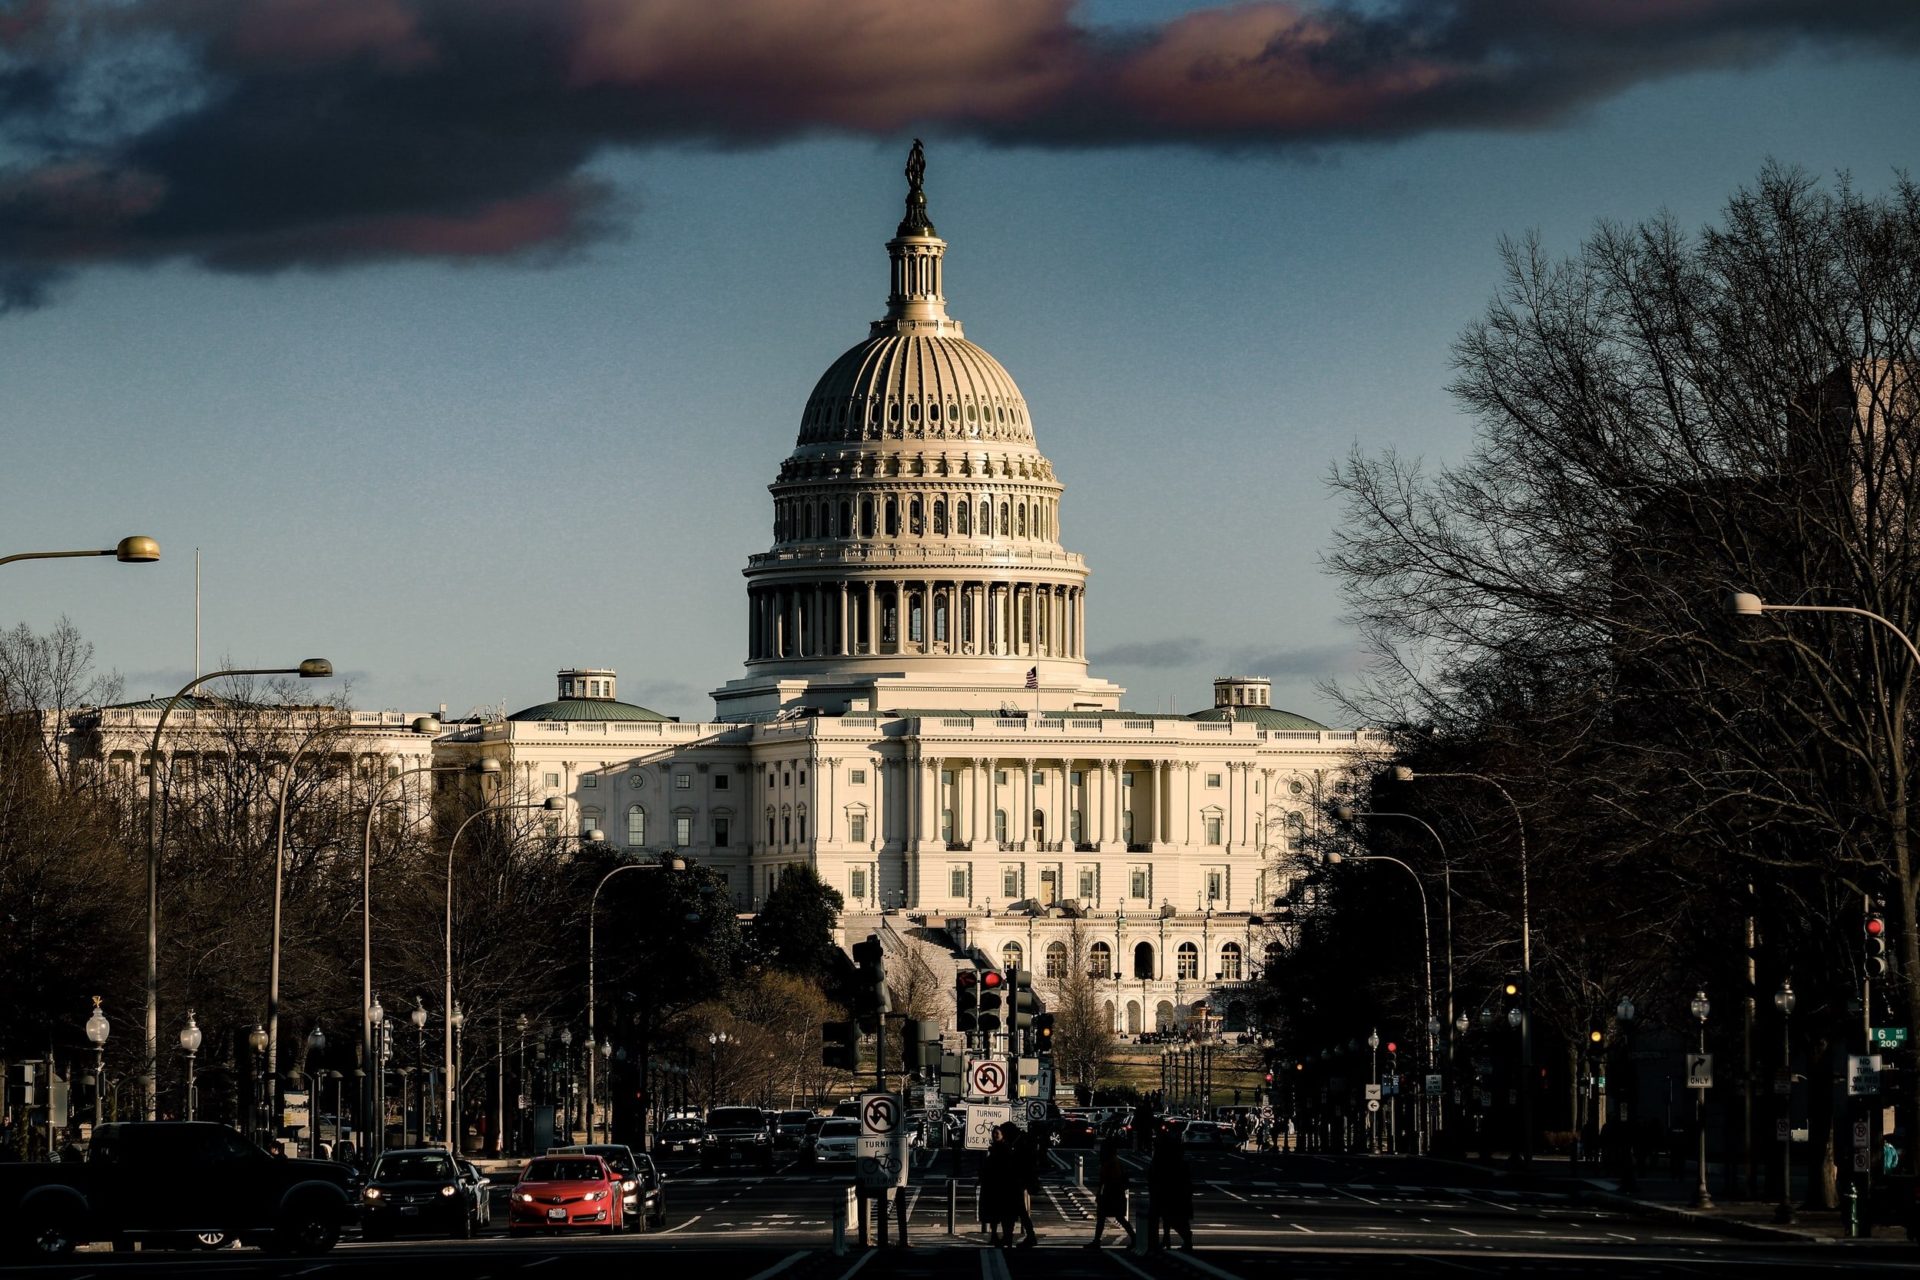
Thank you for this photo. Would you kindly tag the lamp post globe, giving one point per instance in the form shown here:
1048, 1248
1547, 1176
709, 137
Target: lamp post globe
1373, 1040
316, 1041
190, 1035
1513, 1017
419, 1015
97, 1029
1461, 1022
374, 1011
1625, 1010
1699, 1006
97, 1025
258, 1038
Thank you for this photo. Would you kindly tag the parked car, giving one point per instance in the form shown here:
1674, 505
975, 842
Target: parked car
793, 1127
417, 1191
681, 1133
811, 1134
737, 1133
838, 1140
557, 1193
173, 1183
1210, 1134
642, 1199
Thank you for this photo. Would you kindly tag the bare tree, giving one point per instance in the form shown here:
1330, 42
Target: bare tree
1083, 1033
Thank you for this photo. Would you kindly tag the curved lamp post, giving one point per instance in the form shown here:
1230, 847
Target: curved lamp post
371, 1077
1402, 773
262, 1118
668, 864
552, 804
1784, 1000
316, 1049
309, 669
1744, 604
190, 1041
134, 550
1700, 1008
419, 1020
97, 1029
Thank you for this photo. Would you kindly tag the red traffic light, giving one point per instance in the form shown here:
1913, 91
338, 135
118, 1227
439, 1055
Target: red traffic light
1269, 1077
1392, 1047
1876, 926
966, 978
992, 979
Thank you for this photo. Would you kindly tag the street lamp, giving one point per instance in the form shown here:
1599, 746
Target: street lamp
190, 1043
1744, 604
1629, 1082
593, 902
309, 669
456, 1127
316, 1049
1402, 773
1700, 1009
714, 1040
373, 1084
450, 1104
134, 550
262, 1113
1373, 1110
97, 1028
1783, 1000
419, 1020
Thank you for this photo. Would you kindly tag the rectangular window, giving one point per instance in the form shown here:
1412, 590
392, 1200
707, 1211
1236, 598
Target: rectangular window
1137, 883
1213, 779
1079, 779
553, 779
1215, 882
1039, 779
590, 780
682, 832
857, 827
682, 782
858, 777
719, 833
1000, 776
1126, 779
1086, 882
803, 828
1010, 883
1213, 831
803, 777
857, 884
957, 882
721, 782
946, 825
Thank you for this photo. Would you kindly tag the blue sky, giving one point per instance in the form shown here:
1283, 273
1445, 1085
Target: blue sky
454, 476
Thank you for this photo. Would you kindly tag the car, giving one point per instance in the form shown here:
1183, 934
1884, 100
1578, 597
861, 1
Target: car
838, 1140
737, 1133
680, 1133
812, 1133
643, 1200
417, 1190
558, 1193
793, 1127
1077, 1131
1209, 1133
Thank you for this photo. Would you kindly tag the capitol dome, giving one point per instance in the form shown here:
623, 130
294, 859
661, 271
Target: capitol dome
916, 558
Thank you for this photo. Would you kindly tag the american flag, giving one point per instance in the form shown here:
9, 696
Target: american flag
1033, 677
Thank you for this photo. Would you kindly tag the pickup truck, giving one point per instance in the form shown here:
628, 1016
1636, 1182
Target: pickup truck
169, 1183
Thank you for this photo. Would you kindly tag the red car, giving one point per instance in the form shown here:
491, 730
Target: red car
558, 1192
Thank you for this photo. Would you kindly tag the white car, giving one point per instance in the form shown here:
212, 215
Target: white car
838, 1140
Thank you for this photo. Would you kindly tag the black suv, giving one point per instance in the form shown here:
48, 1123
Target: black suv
737, 1133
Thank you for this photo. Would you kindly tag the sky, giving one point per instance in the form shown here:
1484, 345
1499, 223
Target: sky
463, 337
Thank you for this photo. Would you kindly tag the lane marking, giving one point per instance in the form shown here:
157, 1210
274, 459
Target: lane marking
1121, 1259
779, 1266
681, 1225
865, 1258
1205, 1268
1362, 1199
993, 1265
1217, 1187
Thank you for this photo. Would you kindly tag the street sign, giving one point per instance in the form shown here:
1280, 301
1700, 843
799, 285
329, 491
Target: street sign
1862, 1133
882, 1149
982, 1119
1029, 1077
1889, 1037
1699, 1071
1036, 1110
1783, 1083
1046, 1079
1373, 1104
930, 1097
1861, 1163
1434, 1083
986, 1078
1782, 1130
1863, 1075
1373, 1095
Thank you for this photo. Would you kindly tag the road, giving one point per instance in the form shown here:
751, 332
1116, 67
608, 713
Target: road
1255, 1216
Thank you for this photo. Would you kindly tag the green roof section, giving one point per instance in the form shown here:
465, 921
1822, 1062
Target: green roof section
588, 709
1265, 717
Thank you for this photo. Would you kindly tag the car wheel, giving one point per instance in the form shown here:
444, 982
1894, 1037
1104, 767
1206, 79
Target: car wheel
212, 1239
53, 1236
306, 1230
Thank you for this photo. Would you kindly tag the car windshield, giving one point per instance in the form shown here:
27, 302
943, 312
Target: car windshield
680, 1126
736, 1118
794, 1117
414, 1166
563, 1170
840, 1129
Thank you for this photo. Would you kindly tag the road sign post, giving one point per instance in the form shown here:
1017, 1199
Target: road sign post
882, 1148
986, 1078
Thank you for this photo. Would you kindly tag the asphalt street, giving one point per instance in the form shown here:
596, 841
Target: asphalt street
1255, 1216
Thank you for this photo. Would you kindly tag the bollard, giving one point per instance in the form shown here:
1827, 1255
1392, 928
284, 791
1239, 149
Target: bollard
1143, 1241
866, 1225
840, 1230
1080, 1172
1853, 1209
900, 1213
953, 1206
885, 1205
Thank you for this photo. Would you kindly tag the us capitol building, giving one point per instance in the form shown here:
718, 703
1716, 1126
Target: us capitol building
917, 721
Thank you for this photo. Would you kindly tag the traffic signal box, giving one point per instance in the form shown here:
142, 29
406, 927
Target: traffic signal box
966, 1000
870, 990
993, 985
1875, 929
840, 1045
1043, 1035
923, 1047
1025, 1004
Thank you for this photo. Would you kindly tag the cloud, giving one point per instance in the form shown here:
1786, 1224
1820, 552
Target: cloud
1181, 652
1310, 660
262, 135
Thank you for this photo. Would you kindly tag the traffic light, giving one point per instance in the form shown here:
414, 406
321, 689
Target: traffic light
840, 1045
1511, 990
1043, 1034
1875, 928
870, 992
1023, 1003
951, 1067
966, 999
923, 1046
992, 986
1597, 1035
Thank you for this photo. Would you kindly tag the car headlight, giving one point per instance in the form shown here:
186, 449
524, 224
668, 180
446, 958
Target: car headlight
627, 1185
759, 1137
524, 1198
596, 1195
373, 1193
446, 1191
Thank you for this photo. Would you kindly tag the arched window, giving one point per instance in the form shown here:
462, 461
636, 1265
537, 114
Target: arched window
1040, 825
1187, 961
986, 518
846, 519
636, 825
1100, 961
893, 518
1021, 512
812, 520
1010, 956
1273, 953
1230, 966
914, 524
1143, 960
940, 515
1163, 1019
866, 517
1056, 959
1000, 826
962, 518
1006, 526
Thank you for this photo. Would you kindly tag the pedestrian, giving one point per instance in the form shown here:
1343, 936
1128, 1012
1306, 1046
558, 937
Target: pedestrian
1170, 1192
1143, 1120
999, 1185
1026, 1151
1110, 1195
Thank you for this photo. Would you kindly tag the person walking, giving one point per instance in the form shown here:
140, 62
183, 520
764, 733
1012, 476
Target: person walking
999, 1188
1170, 1192
1026, 1151
1110, 1196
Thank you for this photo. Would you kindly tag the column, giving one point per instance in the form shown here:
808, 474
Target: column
991, 787
843, 603
1187, 803
1025, 816
872, 627
1100, 769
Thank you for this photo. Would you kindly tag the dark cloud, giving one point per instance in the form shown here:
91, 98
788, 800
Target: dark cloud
1181, 652
258, 135
1317, 660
